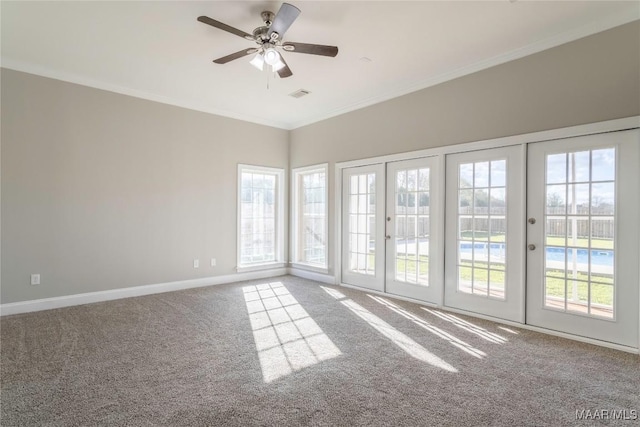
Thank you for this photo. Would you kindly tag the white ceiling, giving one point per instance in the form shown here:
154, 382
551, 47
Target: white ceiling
158, 51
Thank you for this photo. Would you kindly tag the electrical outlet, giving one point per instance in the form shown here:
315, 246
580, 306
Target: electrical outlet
213, 262
196, 263
35, 279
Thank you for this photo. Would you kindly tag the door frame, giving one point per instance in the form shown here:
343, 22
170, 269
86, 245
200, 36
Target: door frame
547, 135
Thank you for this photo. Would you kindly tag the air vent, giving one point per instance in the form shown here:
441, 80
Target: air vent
300, 93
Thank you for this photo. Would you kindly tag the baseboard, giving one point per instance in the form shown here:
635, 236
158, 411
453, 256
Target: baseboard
312, 275
545, 331
113, 294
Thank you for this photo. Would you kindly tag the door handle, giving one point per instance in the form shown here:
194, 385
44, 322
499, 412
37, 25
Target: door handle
531, 220
532, 247
387, 237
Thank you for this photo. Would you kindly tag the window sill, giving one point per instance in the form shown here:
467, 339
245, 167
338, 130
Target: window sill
258, 267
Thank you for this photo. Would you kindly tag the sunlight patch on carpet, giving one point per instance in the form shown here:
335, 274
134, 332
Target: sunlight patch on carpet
468, 326
453, 340
287, 339
411, 347
511, 331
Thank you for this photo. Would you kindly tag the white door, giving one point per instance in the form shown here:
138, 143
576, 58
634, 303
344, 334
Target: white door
485, 232
363, 226
582, 263
412, 230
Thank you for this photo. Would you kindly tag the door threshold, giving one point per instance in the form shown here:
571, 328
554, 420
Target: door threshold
386, 294
545, 331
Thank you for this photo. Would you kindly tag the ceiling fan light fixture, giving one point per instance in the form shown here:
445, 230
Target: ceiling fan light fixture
258, 61
278, 65
271, 56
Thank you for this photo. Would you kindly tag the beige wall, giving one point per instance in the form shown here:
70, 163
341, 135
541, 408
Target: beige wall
590, 80
104, 191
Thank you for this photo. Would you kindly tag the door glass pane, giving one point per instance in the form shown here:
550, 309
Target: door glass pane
603, 165
481, 174
556, 199
557, 168
412, 226
579, 239
482, 228
578, 199
579, 170
602, 198
556, 231
362, 224
498, 173
466, 175
498, 201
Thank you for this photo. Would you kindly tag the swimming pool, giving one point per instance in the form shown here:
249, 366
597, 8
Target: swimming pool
598, 256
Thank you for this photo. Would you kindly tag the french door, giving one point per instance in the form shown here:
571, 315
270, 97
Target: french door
413, 258
363, 226
573, 222
484, 232
582, 262
389, 243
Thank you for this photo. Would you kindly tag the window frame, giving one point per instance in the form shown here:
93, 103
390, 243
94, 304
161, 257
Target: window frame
279, 190
296, 189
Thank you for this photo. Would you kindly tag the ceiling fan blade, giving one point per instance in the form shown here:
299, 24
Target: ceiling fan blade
313, 49
224, 27
239, 54
283, 20
285, 71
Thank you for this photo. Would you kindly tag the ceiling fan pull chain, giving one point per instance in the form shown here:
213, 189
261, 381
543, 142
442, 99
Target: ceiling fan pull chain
268, 75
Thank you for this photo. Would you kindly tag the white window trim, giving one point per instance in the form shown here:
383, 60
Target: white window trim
295, 194
280, 210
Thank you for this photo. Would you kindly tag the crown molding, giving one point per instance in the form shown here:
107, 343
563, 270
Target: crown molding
39, 70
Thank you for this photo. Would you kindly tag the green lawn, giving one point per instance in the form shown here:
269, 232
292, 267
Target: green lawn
411, 263
482, 236
606, 279
496, 275
601, 293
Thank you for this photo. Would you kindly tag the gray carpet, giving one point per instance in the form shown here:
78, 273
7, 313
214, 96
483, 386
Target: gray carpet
288, 351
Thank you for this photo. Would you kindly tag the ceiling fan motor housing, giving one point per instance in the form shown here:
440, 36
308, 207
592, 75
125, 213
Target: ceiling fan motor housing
267, 17
261, 35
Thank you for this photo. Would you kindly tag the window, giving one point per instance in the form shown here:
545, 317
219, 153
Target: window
260, 211
310, 216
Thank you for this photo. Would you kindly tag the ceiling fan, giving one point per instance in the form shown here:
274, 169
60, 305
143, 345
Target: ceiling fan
269, 39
